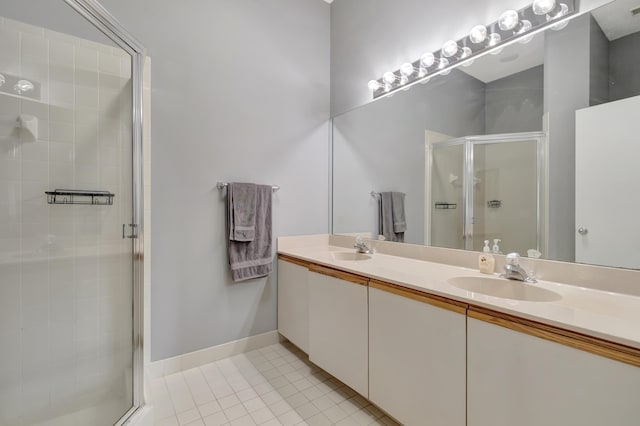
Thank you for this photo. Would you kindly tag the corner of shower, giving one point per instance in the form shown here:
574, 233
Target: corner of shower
71, 202
487, 187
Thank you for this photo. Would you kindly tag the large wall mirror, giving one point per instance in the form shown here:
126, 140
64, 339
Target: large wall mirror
537, 147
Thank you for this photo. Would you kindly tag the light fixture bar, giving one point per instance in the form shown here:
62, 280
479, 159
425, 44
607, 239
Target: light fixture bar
512, 25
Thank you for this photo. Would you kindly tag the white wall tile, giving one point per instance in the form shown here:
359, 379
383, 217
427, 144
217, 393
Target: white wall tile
61, 131
108, 64
86, 59
10, 48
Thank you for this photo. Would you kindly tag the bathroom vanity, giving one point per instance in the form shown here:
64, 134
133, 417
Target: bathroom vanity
435, 343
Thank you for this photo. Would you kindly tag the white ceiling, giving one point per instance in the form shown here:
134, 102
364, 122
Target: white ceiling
616, 19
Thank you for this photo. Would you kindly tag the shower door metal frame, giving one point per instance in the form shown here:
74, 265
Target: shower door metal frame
468, 142
100, 18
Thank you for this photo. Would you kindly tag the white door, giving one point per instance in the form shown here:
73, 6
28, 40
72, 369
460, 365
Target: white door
607, 175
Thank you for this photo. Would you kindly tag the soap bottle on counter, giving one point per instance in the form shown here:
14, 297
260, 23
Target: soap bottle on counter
486, 263
496, 248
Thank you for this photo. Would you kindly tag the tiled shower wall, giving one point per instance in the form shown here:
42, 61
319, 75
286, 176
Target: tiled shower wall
65, 271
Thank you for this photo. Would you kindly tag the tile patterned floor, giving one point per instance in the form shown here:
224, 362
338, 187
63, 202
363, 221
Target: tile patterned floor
275, 385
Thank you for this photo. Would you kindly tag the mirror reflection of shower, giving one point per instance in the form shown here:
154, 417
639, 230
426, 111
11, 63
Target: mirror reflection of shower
485, 188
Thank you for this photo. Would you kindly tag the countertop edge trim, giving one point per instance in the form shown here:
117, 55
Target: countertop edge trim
341, 275
294, 260
419, 296
604, 348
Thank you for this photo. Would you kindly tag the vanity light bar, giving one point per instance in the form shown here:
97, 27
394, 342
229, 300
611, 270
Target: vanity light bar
512, 25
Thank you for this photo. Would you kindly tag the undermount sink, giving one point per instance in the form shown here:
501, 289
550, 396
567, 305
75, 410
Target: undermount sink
350, 256
507, 289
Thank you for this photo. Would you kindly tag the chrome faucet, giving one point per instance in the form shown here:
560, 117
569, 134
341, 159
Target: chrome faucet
362, 247
513, 270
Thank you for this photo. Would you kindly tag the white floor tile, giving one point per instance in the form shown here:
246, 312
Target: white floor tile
276, 385
235, 412
169, 421
217, 419
209, 408
262, 416
189, 416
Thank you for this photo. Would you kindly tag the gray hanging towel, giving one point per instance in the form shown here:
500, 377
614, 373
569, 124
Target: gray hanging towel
397, 208
252, 259
241, 198
392, 219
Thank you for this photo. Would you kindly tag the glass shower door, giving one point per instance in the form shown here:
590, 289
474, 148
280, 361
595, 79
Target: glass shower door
487, 188
446, 226
66, 272
503, 189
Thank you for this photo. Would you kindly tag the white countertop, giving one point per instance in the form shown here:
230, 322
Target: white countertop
605, 315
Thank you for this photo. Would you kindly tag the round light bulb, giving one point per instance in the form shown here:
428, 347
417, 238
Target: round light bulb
389, 77
427, 59
422, 72
466, 52
478, 34
2, 80
525, 26
508, 20
564, 9
387, 87
494, 38
404, 80
444, 62
449, 48
373, 85
559, 26
23, 86
406, 69
542, 7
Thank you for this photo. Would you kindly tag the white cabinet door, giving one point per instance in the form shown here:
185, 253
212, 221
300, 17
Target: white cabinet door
338, 321
519, 379
293, 312
417, 358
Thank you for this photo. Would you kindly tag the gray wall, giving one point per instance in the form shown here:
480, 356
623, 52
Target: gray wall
598, 65
240, 92
624, 57
566, 88
515, 103
381, 147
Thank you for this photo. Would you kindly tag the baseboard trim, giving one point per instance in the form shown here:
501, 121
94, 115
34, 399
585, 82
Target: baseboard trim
205, 356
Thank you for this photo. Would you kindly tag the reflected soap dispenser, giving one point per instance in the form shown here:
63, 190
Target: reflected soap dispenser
496, 248
486, 248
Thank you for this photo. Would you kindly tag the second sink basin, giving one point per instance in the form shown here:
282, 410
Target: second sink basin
350, 256
507, 289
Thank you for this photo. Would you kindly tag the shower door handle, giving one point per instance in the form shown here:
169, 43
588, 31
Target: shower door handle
134, 231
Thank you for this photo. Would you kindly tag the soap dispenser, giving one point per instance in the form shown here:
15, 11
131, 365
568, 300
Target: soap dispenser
496, 248
486, 248
486, 263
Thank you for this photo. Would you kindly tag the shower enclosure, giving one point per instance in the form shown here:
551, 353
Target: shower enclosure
485, 188
70, 216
